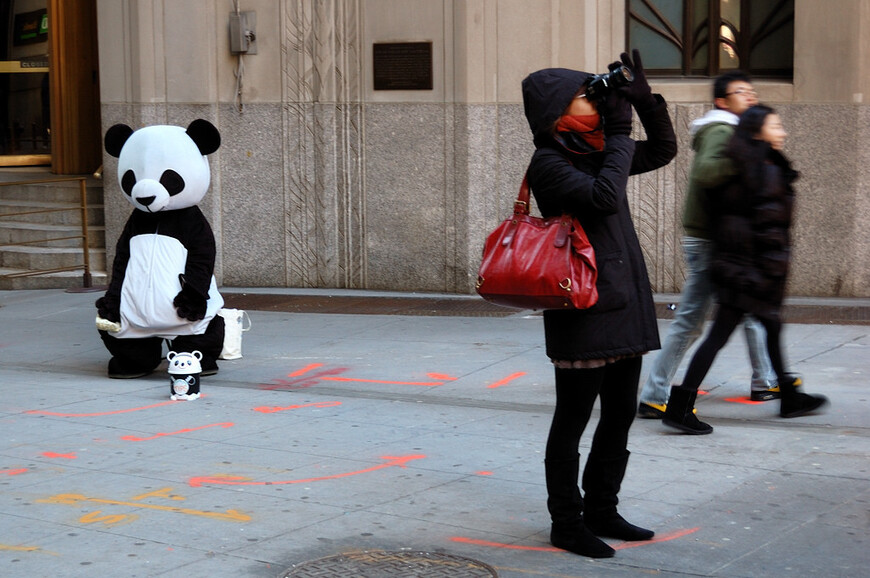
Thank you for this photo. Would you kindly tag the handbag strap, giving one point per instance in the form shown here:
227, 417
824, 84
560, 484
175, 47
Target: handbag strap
521, 205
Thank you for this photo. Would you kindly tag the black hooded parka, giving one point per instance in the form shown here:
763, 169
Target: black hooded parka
752, 221
591, 185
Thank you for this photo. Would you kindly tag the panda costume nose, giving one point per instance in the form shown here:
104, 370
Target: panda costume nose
147, 191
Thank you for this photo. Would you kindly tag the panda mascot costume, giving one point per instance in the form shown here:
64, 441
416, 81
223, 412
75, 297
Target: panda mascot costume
162, 285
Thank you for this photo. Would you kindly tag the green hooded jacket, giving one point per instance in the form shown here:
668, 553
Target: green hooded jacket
710, 169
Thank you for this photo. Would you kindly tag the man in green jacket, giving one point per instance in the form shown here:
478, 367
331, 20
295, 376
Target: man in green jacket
732, 95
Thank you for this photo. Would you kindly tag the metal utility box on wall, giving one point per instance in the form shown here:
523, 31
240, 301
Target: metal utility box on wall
243, 32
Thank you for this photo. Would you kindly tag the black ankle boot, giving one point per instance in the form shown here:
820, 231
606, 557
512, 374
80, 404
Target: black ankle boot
613, 525
576, 537
566, 507
680, 412
602, 480
795, 403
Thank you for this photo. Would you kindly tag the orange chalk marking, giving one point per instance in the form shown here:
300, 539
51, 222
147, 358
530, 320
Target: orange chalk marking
421, 383
305, 370
622, 546
657, 539
484, 473
745, 400
13, 472
392, 461
56, 455
298, 379
442, 376
506, 380
102, 413
181, 431
267, 409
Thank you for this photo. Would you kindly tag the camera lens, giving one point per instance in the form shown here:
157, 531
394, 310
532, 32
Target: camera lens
599, 86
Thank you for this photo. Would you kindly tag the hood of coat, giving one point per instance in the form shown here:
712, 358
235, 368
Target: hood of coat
546, 95
715, 117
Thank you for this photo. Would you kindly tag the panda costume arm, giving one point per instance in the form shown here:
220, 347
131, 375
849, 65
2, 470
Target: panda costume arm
109, 305
191, 301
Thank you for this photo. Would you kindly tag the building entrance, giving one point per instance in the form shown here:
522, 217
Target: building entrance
49, 85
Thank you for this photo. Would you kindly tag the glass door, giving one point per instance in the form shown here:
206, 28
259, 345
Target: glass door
25, 119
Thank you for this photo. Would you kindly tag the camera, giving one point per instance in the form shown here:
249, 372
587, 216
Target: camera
599, 86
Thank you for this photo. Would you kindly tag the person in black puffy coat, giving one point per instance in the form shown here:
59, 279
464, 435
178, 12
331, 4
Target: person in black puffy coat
583, 158
752, 219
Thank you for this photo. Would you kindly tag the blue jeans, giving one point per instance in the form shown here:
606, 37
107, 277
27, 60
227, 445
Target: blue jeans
695, 302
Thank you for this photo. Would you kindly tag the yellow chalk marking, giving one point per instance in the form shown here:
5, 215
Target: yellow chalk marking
109, 519
161, 493
10, 548
73, 499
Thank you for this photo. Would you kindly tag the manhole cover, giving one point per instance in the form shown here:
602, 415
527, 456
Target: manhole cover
379, 564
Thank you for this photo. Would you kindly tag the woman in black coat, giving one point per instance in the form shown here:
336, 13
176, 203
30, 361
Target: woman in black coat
752, 218
581, 164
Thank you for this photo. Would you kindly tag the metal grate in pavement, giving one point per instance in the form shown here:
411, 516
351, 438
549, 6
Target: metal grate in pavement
380, 564
432, 306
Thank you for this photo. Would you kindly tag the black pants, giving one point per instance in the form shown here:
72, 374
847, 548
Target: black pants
726, 321
145, 354
576, 392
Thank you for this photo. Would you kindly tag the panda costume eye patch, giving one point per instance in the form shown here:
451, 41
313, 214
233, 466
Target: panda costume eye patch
172, 182
128, 181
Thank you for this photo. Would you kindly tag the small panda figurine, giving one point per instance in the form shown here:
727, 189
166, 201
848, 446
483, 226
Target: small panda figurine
162, 282
184, 372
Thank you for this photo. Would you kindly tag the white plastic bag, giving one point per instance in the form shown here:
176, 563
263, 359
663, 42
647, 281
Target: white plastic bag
236, 322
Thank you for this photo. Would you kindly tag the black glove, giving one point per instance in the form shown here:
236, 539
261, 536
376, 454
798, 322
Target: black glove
108, 308
616, 112
189, 303
638, 92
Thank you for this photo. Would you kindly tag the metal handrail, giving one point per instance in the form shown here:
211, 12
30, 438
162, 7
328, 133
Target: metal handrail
87, 280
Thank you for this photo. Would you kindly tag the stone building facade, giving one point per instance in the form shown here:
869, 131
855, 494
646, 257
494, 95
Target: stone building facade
324, 181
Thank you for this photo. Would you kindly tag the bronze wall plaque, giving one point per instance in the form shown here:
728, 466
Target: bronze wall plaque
402, 65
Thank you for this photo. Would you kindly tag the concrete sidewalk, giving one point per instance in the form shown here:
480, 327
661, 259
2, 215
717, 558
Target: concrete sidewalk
402, 441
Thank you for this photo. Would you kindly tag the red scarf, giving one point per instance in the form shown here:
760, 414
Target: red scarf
586, 126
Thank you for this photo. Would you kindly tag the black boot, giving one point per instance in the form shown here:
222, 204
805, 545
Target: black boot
680, 412
602, 479
795, 403
565, 504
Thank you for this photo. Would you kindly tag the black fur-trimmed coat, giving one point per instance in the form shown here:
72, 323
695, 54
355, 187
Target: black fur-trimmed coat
752, 220
592, 186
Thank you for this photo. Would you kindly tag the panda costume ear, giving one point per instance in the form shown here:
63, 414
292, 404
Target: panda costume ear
116, 137
205, 135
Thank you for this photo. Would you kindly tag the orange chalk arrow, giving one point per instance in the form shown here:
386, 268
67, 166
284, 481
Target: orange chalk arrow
392, 461
181, 431
506, 380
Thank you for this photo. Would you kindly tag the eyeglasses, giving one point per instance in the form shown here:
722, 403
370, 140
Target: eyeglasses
742, 91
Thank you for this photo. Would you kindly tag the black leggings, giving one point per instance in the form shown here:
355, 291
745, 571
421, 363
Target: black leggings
727, 319
576, 391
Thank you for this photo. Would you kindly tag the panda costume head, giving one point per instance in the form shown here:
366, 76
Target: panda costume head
163, 167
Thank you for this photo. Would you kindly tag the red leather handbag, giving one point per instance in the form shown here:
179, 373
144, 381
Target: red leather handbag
536, 263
